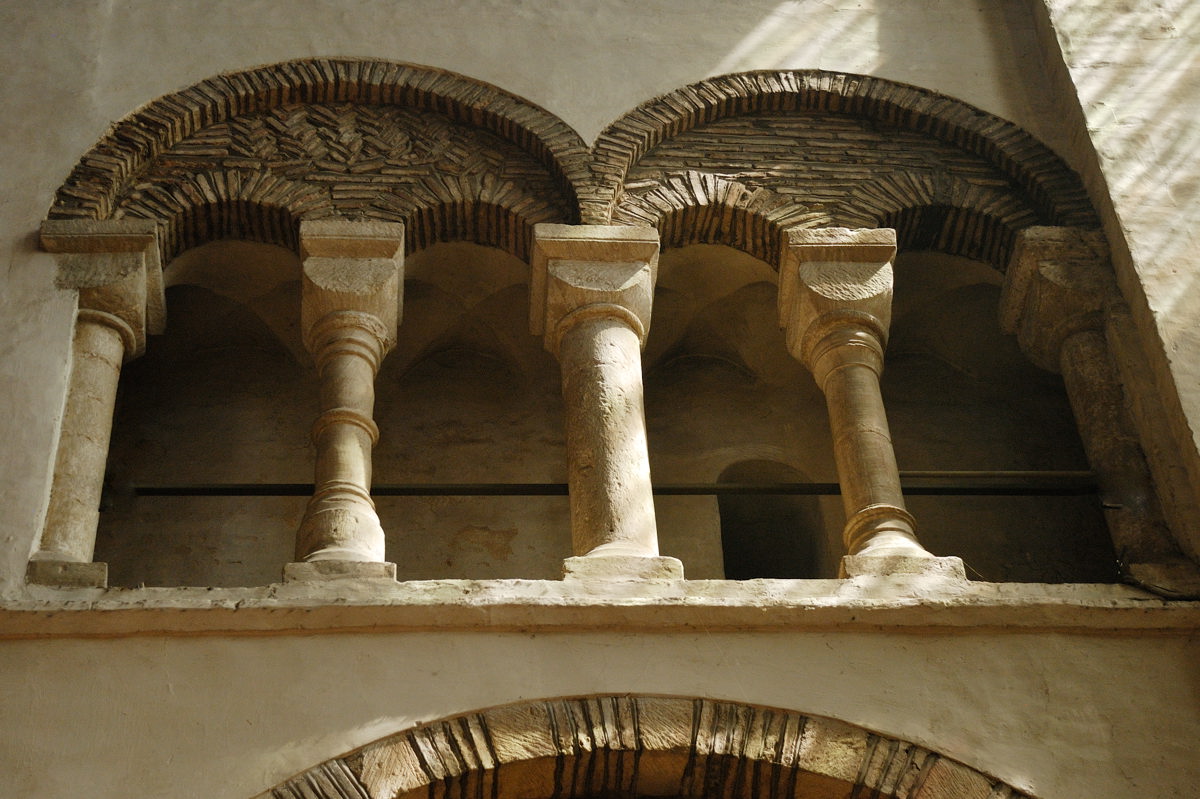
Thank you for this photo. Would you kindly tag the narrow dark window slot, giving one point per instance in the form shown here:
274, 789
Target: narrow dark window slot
925, 483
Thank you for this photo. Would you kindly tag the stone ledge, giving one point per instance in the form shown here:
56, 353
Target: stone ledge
368, 606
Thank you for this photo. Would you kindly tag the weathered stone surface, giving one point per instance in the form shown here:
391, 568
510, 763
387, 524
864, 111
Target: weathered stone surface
1058, 283
1059, 296
591, 293
350, 307
949, 568
835, 307
116, 266
618, 567
1157, 435
352, 266
67, 574
338, 570
829, 277
602, 266
546, 606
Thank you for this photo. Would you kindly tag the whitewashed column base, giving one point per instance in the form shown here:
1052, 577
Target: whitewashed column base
948, 568
317, 570
67, 574
622, 567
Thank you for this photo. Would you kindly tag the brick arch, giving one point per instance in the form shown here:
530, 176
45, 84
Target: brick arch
948, 214
435, 213
219, 204
693, 207
1047, 183
631, 746
126, 174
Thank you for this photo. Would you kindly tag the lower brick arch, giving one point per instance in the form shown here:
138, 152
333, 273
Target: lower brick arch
697, 208
640, 746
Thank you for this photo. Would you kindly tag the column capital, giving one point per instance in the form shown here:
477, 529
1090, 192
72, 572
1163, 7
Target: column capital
835, 280
1059, 282
116, 266
355, 270
583, 271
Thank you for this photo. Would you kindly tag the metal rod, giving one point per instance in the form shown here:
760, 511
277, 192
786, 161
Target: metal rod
916, 483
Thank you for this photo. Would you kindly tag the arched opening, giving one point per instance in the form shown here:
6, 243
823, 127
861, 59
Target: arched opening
774, 535
469, 404
721, 389
471, 386
225, 397
640, 746
962, 398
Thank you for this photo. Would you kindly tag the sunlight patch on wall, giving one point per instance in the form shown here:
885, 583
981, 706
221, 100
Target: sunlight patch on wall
796, 35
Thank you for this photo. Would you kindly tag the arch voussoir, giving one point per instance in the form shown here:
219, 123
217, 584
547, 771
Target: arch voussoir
233, 122
1034, 172
693, 207
634, 746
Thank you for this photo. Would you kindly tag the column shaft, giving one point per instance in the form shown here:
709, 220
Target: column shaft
608, 470
115, 266
340, 522
1106, 430
97, 350
351, 292
1059, 294
862, 446
846, 365
591, 292
835, 305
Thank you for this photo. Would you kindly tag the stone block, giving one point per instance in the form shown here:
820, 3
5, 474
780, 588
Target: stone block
116, 266
949, 568
1058, 282
67, 574
352, 266
575, 266
345, 238
831, 276
621, 567
338, 570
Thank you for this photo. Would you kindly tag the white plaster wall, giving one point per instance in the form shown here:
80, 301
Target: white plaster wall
1058, 715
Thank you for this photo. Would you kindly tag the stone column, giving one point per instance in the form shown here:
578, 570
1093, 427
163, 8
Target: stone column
1058, 292
350, 309
835, 295
116, 268
591, 292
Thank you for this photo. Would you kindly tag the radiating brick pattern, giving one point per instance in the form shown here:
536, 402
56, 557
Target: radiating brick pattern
731, 160
123, 160
254, 175
821, 169
630, 746
1050, 187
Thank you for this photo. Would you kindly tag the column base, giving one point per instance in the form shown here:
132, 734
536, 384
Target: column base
622, 567
318, 570
947, 568
1175, 578
67, 574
